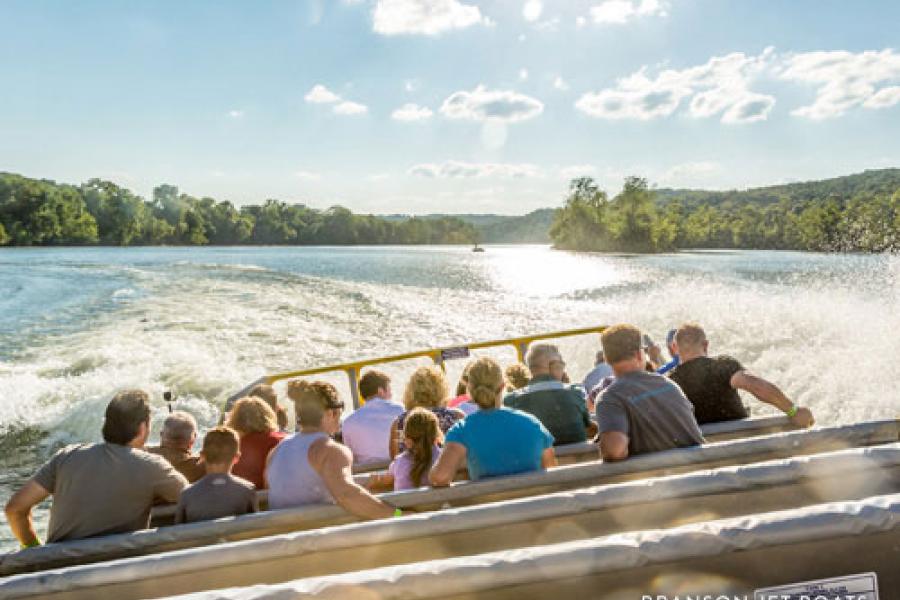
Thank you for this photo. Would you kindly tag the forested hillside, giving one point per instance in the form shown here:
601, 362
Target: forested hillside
41, 212
854, 213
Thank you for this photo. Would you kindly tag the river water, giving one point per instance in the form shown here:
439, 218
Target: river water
76, 324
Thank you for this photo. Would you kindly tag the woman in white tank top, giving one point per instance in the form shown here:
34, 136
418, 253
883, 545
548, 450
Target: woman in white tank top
310, 468
292, 481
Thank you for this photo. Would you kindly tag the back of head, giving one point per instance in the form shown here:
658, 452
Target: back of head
371, 382
421, 427
690, 338
620, 342
485, 383
179, 427
124, 415
252, 415
267, 392
220, 445
312, 399
518, 376
426, 387
462, 386
540, 356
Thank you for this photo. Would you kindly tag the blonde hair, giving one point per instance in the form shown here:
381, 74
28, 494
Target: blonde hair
517, 376
421, 427
620, 342
312, 399
267, 392
485, 382
427, 387
252, 415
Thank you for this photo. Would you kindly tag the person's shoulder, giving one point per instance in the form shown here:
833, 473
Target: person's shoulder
520, 416
575, 391
725, 359
241, 483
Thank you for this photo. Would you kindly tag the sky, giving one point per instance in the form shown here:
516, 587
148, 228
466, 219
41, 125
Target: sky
446, 106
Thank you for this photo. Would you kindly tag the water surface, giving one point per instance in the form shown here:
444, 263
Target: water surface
76, 324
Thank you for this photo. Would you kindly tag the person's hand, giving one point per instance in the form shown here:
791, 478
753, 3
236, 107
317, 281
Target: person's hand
803, 418
654, 353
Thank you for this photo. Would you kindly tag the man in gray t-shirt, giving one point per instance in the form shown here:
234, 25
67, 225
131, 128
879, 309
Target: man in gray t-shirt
102, 488
640, 412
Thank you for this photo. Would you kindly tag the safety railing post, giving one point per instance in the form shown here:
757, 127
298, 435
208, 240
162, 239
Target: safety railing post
352, 375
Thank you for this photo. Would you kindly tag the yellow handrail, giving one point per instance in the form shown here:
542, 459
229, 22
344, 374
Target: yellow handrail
438, 355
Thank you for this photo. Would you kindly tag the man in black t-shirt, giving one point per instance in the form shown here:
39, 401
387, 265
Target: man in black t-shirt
712, 384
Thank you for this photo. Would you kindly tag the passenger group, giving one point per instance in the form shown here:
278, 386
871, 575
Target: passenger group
498, 423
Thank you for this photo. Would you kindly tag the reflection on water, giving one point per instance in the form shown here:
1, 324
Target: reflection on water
77, 324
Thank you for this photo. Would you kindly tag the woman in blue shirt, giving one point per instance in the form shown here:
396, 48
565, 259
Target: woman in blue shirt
495, 440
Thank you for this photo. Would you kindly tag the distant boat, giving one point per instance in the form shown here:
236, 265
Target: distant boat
477, 248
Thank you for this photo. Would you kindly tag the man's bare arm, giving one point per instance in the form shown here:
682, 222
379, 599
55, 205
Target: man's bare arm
334, 463
770, 393
18, 511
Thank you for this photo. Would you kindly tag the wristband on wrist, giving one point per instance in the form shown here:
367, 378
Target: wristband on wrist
398, 512
792, 412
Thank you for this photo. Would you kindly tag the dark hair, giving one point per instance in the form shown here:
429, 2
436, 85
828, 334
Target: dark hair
423, 430
220, 445
371, 382
124, 415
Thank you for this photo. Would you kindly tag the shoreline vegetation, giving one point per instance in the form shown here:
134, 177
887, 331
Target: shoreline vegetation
856, 213
853, 213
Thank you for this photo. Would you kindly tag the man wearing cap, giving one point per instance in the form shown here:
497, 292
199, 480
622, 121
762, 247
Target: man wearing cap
672, 347
712, 383
99, 489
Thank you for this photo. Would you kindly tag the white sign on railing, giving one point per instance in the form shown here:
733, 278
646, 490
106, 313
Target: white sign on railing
863, 586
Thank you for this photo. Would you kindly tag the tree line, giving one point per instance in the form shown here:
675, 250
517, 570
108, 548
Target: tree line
40, 213
837, 217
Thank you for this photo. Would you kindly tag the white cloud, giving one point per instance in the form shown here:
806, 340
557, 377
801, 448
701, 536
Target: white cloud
350, 108
690, 173
523, 74
412, 112
884, 98
454, 169
720, 86
481, 104
307, 175
560, 84
424, 17
319, 94
574, 171
846, 79
235, 114
622, 11
532, 10
410, 85
580, 22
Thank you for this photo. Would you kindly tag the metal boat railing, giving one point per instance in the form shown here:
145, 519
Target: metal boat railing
439, 356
